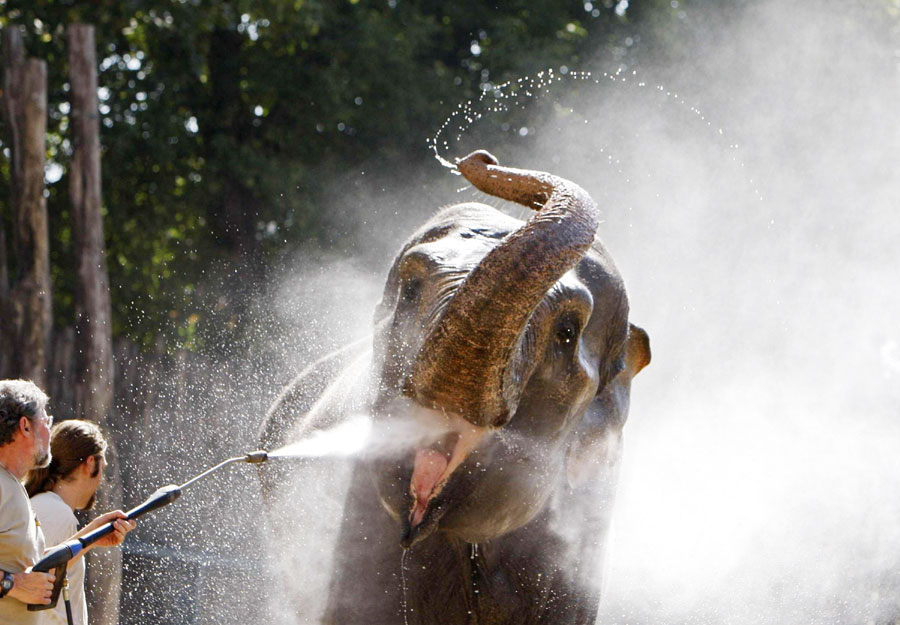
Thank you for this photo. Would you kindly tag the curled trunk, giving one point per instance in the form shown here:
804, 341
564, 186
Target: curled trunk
466, 364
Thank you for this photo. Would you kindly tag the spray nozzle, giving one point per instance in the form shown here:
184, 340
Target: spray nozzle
256, 457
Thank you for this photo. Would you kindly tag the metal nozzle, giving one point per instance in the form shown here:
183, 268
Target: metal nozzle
256, 457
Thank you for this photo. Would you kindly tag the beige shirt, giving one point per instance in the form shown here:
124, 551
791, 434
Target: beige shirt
58, 523
21, 544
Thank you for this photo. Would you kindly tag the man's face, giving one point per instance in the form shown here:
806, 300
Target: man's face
42, 422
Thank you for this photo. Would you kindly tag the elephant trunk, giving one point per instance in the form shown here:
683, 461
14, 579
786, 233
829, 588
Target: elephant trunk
466, 364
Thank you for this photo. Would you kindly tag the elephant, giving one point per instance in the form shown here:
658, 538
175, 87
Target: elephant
512, 341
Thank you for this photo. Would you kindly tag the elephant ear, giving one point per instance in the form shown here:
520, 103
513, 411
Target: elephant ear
596, 444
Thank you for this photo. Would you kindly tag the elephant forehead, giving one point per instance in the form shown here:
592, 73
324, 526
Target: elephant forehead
466, 220
457, 237
475, 215
458, 250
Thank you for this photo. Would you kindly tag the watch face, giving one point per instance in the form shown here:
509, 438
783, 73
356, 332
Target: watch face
6, 583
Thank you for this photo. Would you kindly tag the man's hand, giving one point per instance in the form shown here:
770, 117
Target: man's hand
32, 587
120, 527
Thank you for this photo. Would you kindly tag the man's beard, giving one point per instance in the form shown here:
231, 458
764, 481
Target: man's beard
90, 503
42, 459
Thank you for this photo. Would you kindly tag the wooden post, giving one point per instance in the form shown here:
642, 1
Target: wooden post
93, 323
26, 302
93, 312
35, 294
13, 63
13, 60
7, 329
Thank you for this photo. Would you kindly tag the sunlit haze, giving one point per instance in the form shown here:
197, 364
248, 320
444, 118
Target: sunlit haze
746, 166
750, 196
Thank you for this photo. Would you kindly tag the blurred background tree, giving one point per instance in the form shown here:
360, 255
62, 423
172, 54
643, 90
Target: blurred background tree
223, 122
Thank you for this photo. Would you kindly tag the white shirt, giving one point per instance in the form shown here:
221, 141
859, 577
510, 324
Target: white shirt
58, 523
21, 544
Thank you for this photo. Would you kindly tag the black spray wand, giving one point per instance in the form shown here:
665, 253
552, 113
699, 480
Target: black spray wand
59, 556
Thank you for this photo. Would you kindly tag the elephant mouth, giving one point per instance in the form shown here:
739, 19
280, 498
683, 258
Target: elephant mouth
434, 467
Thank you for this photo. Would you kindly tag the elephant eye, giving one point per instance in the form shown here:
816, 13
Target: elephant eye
411, 291
566, 332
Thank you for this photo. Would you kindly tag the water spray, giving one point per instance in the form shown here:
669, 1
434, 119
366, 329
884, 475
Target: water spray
57, 558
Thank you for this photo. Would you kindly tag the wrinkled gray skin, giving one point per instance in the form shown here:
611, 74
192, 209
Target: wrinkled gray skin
516, 338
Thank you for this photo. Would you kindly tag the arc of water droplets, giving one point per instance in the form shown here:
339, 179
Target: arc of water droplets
509, 93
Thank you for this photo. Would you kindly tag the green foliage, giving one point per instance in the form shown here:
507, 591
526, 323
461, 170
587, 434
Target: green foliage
214, 111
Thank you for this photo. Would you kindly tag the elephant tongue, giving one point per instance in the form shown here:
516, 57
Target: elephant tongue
429, 466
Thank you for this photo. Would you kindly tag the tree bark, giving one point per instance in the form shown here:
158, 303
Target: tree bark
13, 60
93, 312
6, 335
26, 303
13, 64
94, 390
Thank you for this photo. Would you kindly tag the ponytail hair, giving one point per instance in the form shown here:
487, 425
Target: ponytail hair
71, 443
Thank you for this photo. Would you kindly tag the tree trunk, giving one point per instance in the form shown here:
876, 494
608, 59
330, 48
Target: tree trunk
232, 212
6, 336
26, 303
93, 312
13, 60
94, 391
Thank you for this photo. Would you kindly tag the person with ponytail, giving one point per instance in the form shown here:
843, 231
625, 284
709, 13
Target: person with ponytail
68, 483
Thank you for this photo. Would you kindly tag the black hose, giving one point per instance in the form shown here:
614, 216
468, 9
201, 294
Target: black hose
65, 591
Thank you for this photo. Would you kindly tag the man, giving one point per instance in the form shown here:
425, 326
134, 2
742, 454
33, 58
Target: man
24, 445
69, 483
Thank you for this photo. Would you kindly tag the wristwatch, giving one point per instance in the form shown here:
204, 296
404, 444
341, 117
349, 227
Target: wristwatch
6, 583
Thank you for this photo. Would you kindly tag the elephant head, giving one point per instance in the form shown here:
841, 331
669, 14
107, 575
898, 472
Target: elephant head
506, 348
504, 334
